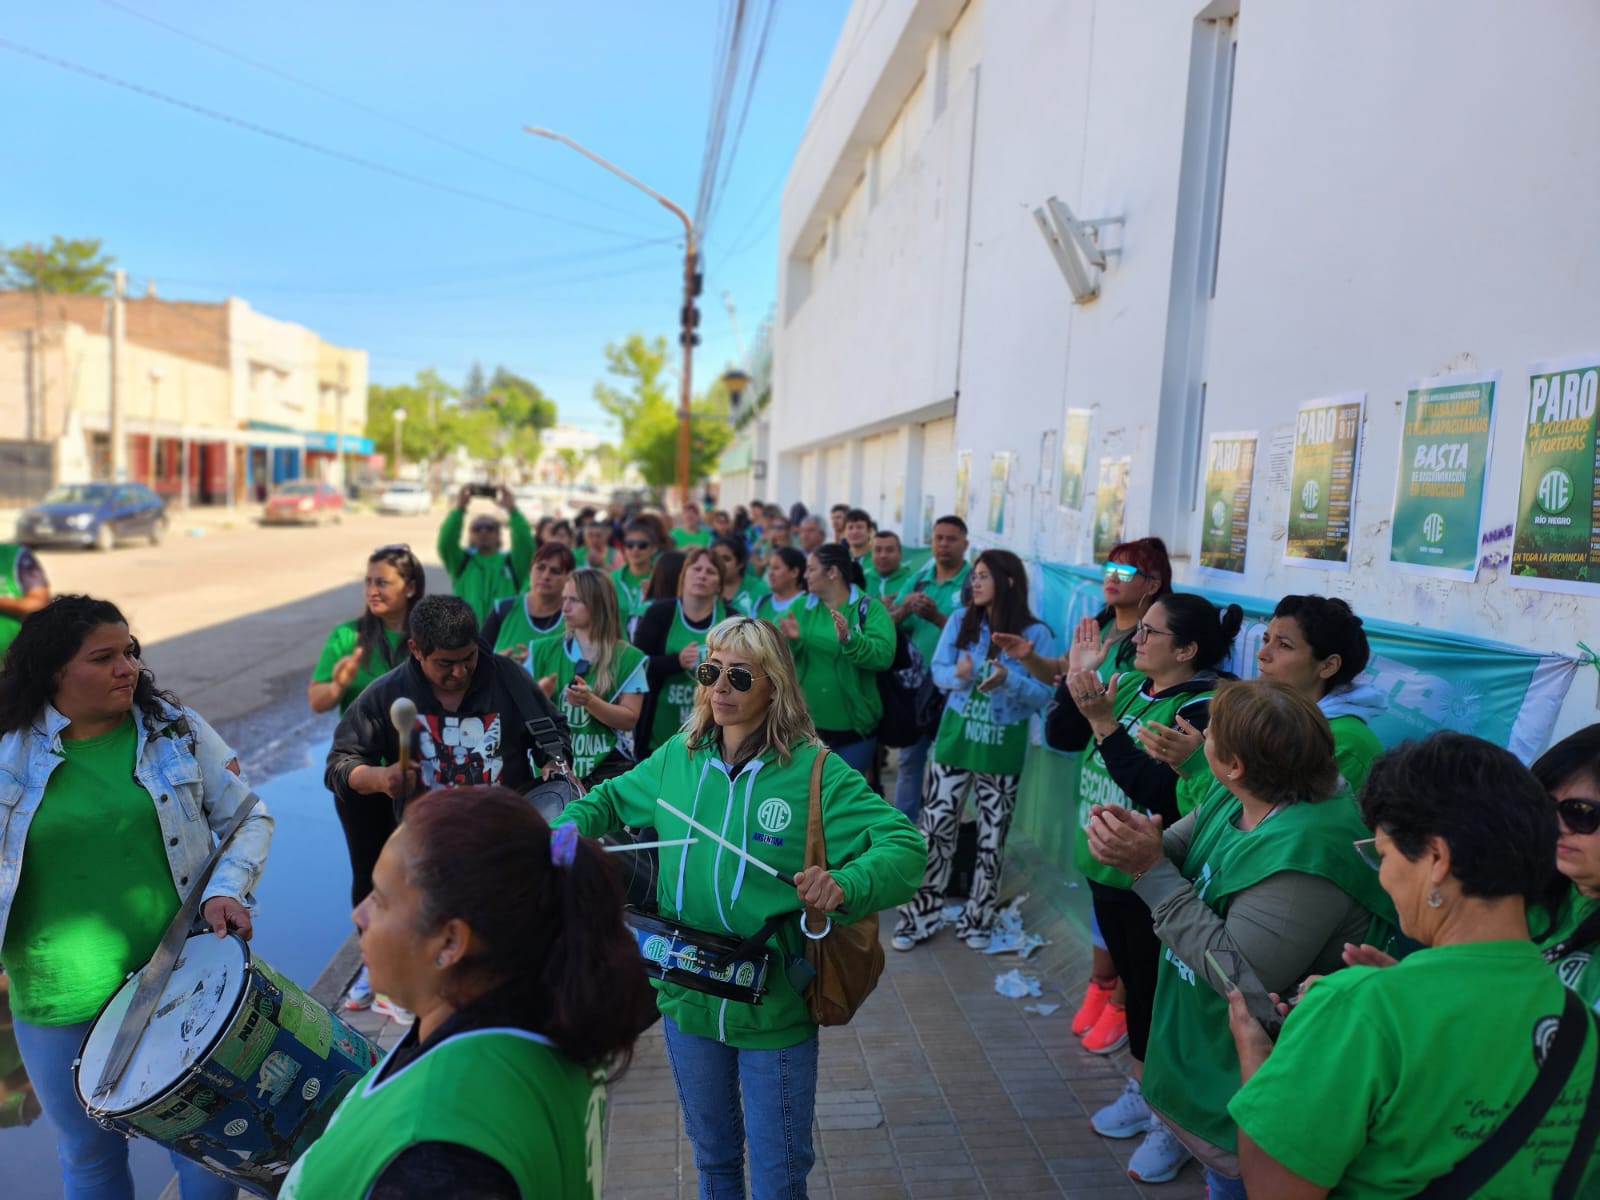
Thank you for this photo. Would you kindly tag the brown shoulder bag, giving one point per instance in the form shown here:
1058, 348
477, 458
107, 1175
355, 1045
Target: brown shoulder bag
847, 959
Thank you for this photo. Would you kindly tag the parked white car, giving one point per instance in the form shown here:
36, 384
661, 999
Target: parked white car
405, 499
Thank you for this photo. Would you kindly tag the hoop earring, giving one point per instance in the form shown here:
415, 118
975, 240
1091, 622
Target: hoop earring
1436, 899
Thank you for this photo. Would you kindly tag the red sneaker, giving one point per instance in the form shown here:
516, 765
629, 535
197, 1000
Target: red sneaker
1095, 998
1109, 1032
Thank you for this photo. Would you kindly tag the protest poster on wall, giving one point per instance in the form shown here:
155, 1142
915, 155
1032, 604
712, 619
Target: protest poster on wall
1322, 481
1225, 514
1074, 457
1444, 460
1110, 504
1557, 543
963, 481
999, 478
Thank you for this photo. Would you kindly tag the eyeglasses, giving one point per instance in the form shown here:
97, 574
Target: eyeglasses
638, 544
1367, 848
1141, 630
489, 527
739, 678
1121, 572
394, 548
1580, 816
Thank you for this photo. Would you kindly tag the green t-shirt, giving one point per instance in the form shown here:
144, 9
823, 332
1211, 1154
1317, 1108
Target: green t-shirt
516, 630
1192, 1068
505, 1093
1580, 968
1384, 1078
587, 558
592, 738
887, 587
630, 593
946, 598
682, 537
751, 588
675, 698
96, 892
972, 740
342, 641
1095, 785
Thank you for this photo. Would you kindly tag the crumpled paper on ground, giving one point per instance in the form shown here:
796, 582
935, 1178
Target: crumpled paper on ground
1016, 985
1044, 1010
1007, 936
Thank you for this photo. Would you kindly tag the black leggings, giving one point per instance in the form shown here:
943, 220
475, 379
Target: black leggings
1130, 936
368, 821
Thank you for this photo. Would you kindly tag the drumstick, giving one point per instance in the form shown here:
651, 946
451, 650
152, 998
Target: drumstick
403, 716
727, 845
623, 848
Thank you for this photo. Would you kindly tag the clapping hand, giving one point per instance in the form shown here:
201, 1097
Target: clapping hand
1121, 838
1171, 744
1095, 700
1014, 645
578, 693
841, 627
789, 627
964, 667
517, 653
1087, 650
689, 656
994, 680
547, 685
345, 670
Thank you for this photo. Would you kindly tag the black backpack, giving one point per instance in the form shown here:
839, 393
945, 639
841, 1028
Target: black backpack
899, 688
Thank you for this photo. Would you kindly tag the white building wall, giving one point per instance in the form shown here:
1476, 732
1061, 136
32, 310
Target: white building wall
1408, 191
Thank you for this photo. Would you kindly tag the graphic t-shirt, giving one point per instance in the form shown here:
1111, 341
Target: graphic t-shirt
518, 630
1578, 969
459, 749
592, 738
1384, 1078
343, 641
95, 893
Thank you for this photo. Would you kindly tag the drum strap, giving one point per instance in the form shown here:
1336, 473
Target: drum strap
153, 979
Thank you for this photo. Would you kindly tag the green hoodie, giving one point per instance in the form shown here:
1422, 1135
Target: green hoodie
879, 860
840, 679
481, 579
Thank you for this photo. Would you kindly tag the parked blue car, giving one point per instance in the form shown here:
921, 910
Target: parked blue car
94, 514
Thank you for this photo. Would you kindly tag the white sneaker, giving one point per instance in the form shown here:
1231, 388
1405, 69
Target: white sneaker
977, 941
386, 1007
901, 942
1159, 1157
360, 994
1125, 1116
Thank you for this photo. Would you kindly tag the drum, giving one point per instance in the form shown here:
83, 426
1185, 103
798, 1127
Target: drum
700, 961
238, 1068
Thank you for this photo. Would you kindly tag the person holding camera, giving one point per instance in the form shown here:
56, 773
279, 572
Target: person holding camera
480, 572
1263, 870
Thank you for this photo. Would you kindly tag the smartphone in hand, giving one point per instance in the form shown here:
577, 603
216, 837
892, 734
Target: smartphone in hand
1231, 970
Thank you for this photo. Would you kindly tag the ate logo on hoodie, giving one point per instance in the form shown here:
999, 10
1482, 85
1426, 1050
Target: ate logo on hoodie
774, 815
459, 749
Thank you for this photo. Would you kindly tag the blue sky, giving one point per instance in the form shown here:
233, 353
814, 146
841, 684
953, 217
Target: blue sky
415, 275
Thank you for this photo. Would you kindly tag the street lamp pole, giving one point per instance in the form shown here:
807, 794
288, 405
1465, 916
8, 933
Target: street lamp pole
692, 282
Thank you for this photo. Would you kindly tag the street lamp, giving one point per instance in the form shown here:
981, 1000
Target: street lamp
690, 315
735, 381
399, 420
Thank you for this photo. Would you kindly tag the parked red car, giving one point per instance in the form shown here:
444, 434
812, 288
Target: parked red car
303, 502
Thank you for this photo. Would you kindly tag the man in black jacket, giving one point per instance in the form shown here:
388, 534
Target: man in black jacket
473, 707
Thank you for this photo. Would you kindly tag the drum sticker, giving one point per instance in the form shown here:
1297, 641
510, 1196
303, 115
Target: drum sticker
311, 1024
656, 947
278, 1074
191, 1109
244, 1047
747, 974
311, 1088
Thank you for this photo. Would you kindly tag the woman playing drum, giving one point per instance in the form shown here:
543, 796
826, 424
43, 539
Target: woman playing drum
526, 985
110, 792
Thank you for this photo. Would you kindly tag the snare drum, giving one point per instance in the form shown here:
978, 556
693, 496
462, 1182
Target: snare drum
698, 960
238, 1068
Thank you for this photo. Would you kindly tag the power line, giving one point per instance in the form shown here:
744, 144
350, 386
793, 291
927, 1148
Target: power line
749, 94
302, 143
359, 106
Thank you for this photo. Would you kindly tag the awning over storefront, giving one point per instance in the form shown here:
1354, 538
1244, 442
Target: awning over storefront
327, 443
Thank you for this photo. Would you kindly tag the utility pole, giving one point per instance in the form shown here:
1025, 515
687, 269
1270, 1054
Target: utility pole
119, 385
689, 315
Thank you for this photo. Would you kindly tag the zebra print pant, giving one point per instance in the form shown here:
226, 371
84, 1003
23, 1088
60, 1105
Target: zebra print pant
940, 821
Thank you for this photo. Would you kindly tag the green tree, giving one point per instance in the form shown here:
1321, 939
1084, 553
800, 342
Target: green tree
521, 410
65, 265
571, 461
642, 403
435, 422
475, 388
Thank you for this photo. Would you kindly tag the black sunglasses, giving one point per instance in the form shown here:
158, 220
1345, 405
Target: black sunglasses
636, 544
738, 677
1580, 816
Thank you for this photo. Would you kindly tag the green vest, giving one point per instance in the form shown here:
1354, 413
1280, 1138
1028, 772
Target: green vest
630, 592
517, 630
675, 698
502, 1092
1192, 1068
1095, 785
11, 590
972, 740
592, 738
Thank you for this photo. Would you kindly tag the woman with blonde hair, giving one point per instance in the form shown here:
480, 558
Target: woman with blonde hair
742, 766
595, 675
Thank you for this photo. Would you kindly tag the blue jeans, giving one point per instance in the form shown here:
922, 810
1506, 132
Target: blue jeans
94, 1161
910, 767
859, 754
779, 1092
1220, 1187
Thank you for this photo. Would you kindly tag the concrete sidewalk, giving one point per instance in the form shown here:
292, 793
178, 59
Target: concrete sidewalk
939, 1087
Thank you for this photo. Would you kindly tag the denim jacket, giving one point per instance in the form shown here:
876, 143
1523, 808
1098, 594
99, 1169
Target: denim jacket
1018, 698
181, 762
